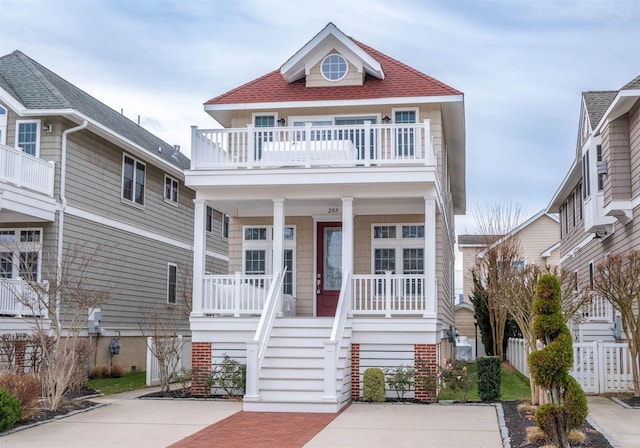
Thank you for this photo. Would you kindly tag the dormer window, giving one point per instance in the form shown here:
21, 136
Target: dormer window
334, 67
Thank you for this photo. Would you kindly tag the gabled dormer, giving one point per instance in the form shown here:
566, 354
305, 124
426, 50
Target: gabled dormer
331, 59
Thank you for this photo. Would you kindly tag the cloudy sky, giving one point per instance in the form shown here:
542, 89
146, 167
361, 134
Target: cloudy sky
522, 65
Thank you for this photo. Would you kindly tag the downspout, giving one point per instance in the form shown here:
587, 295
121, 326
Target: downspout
63, 206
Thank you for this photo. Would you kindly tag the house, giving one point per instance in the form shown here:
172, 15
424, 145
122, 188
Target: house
538, 244
599, 196
75, 174
341, 173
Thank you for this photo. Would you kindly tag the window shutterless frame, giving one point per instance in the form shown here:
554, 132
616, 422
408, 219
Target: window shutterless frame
133, 180
172, 283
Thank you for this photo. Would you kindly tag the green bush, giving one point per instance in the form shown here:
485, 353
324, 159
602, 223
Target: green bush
489, 378
400, 379
567, 407
373, 385
10, 410
230, 376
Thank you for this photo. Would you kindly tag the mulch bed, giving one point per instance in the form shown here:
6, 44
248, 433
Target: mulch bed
517, 423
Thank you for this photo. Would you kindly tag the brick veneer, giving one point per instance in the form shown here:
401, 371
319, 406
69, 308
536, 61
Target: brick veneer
201, 360
355, 371
428, 354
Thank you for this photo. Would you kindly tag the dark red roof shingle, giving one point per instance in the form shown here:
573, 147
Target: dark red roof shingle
400, 81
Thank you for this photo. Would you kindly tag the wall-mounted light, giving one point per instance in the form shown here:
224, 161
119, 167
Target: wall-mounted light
46, 126
281, 121
599, 235
386, 119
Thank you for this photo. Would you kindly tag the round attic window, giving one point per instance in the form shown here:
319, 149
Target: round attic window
334, 67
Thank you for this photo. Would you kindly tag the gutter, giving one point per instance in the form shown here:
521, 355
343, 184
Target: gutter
63, 206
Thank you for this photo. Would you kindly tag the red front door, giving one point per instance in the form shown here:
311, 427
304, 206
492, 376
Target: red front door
329, 268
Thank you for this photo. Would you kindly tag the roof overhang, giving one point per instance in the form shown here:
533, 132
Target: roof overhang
329, 38
108, 134
622, 103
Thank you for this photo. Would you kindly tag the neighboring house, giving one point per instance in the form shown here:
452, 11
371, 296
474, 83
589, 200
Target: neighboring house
599, 196
538, 240
76, 174
346, 167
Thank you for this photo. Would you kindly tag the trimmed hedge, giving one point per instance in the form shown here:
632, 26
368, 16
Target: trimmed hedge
10, 410
489, 377
373, 385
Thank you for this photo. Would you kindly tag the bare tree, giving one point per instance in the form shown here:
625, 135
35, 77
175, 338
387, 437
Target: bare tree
60, 304
617, 279
498, 263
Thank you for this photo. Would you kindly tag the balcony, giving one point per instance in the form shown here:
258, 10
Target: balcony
26, 171
17, 298
312, 146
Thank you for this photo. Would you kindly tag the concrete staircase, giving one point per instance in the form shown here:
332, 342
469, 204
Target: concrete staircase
291, 378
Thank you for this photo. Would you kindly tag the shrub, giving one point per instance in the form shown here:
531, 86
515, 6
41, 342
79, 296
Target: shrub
230, 376
567, 407
117, 371
26, 388
10, 410
373, 385
400, 379
489, 378
100, 372
81, 357
184, 376
452, 375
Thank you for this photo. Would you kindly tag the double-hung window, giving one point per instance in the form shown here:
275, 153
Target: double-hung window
28, 136
405, 136
170, 190
20, 253
133, 180
258, 253
399, 249
225, 226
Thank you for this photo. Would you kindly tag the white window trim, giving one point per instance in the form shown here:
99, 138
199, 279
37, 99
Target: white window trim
346, 71
3, 125
264, 114
170, 200
405, 109
228, 224
267, 246
16, 247
398, 243
18, 123
169, 266
132, 201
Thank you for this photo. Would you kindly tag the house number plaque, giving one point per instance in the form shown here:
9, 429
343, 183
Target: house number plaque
333, 211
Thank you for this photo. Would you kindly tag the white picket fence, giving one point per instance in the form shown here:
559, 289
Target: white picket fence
599, 367
183, 361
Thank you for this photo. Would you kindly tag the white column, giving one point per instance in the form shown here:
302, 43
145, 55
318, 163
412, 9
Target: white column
199, 246
278, 235
347, 235
430, 255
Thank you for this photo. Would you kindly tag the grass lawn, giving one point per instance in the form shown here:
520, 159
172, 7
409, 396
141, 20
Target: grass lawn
513, 386
130, 381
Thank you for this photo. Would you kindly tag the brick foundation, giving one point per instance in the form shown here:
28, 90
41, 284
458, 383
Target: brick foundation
426, 354
355, 371
201, 360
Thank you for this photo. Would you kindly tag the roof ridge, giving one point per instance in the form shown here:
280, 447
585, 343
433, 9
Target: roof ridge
36, 69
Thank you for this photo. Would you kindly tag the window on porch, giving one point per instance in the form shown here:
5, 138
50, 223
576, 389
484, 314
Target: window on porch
258, 253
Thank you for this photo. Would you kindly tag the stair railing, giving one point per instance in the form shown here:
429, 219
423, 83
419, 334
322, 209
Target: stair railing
332, 346
258, 345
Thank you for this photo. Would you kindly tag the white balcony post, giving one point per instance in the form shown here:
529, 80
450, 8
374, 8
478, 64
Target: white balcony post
251, 146
430, 255
307, 143
278, 235
252, 392
347, 235
429, 158
367, 143
237, 294
387, 293
199, 242
195, 151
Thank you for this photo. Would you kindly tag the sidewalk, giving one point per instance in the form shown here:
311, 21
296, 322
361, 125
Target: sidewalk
619, 423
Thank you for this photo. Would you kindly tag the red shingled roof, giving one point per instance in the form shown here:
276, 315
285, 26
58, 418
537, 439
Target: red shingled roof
400, 81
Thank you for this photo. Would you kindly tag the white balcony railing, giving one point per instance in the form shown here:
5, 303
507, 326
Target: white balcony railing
17, 298
235, 294
312, 146
26, 171
390, 294
597, 308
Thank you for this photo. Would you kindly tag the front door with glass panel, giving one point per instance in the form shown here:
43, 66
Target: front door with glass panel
329, 268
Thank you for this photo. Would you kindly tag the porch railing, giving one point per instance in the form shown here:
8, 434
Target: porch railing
332, 346
311, 146
17, 298
235, 295
597, 308
390, 294
26, 171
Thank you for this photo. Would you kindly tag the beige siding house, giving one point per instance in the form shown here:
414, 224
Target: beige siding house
599, 198
76, 174
341, 173
538, 240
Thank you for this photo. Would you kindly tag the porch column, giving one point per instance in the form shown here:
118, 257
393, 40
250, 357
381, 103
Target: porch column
430, 255
199, 240
278, 235
347, 235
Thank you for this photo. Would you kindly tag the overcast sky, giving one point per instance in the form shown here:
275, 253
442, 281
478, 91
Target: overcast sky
522, 65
